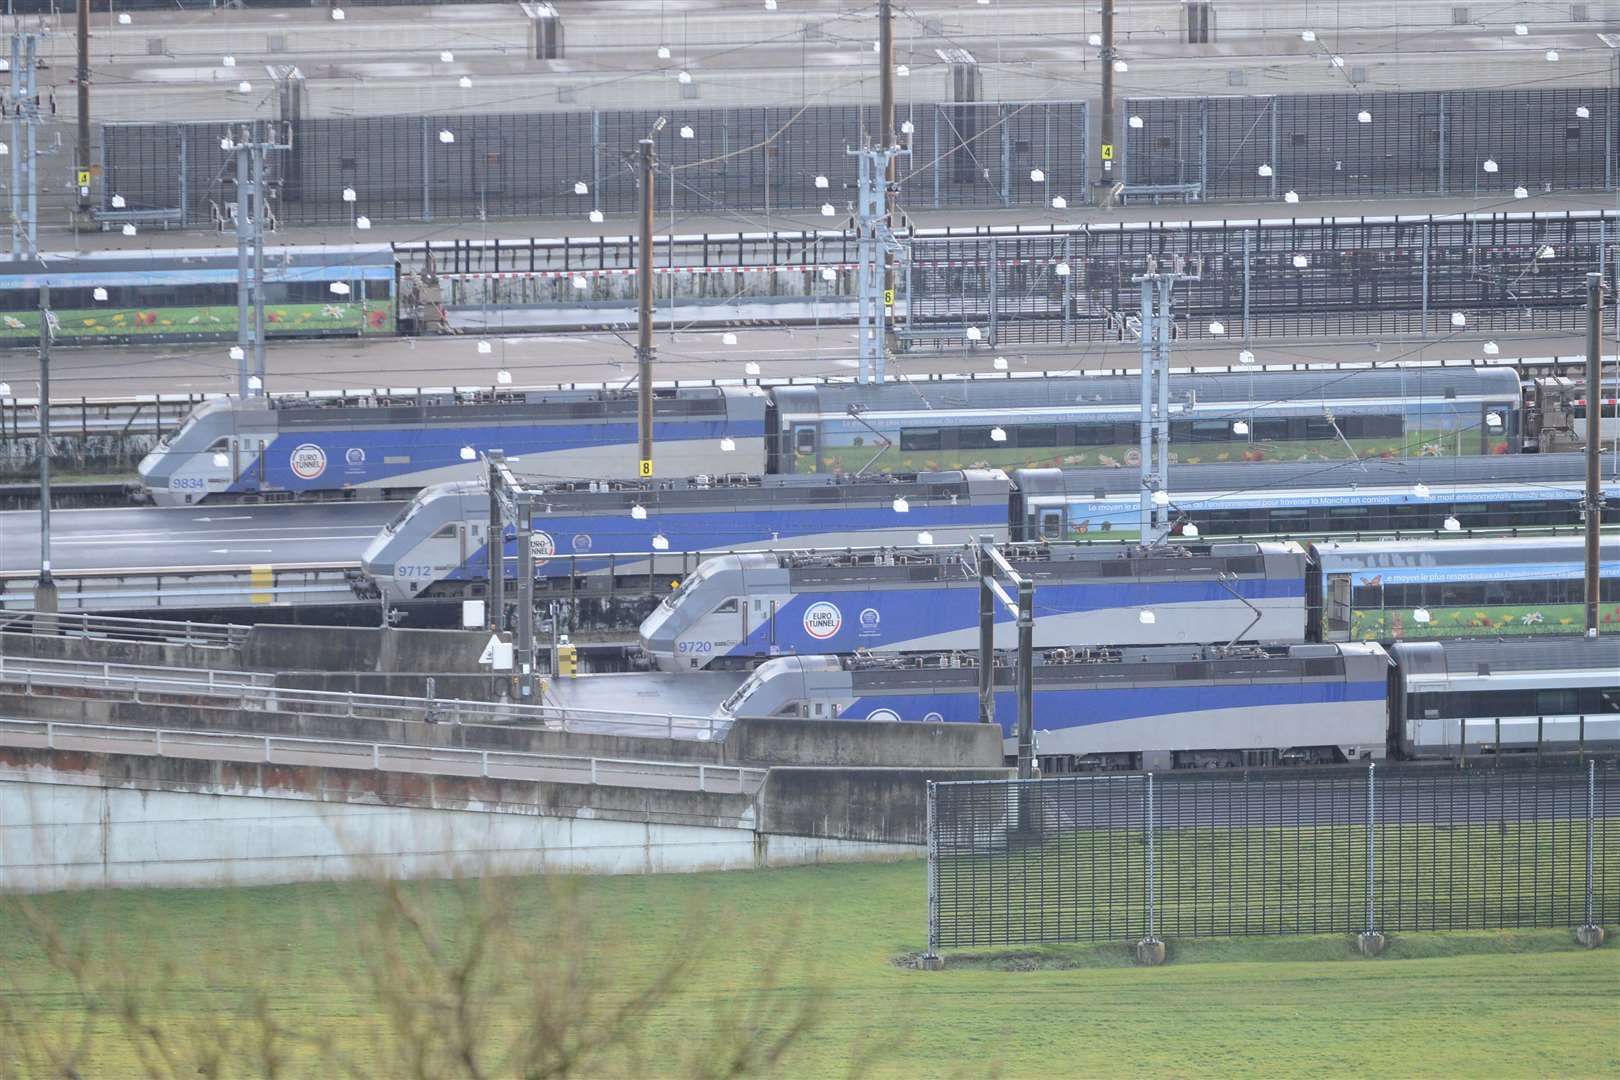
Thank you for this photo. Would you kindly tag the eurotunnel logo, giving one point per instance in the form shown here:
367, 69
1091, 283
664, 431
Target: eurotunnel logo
582, 541
822, 620
354, 456
308, 461
544, 547
886, 715
870, 620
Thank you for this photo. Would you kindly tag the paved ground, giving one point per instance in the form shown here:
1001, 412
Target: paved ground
524, 228
437, 762
136, 538
122, 371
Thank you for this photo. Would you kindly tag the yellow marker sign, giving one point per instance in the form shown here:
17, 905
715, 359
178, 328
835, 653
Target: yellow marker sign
646, 467
261, 579
1108, 151
888, 297
84, 177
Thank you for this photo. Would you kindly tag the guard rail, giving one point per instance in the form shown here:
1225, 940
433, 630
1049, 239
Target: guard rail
380, 756
256, 691
115, 628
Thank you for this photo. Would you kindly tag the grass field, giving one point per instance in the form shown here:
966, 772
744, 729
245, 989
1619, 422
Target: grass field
1512, 1004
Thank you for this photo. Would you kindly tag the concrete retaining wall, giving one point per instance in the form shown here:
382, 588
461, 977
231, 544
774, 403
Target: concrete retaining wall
751, 743
73, 820
836, 743
884, 805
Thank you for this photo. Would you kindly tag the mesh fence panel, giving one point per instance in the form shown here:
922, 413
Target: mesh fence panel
476, 166
1266, 853
1372, 144
1502, 272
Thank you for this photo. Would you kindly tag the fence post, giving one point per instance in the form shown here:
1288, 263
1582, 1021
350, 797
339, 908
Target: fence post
1150, 950
483, 764
376, 756
700, 777
593, 771
1370, 941
158, 739
1589, 933
267, 749
931, 960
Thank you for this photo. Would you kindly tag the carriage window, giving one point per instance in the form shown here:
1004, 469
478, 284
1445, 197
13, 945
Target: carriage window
1037, 435
804, 440
1554, 702
920, 439
974, 438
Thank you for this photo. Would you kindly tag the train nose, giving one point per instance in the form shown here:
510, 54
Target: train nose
658, 638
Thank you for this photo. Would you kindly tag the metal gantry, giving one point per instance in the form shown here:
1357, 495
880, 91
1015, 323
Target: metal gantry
1154, 447
993, 565
22, 105
248, 151
876, 246
510, 502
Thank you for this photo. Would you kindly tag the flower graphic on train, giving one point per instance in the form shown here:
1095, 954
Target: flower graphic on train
377, 318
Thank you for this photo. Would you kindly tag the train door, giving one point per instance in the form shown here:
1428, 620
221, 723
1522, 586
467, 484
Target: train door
461, 538
246, 454
1336, 608
1051, 523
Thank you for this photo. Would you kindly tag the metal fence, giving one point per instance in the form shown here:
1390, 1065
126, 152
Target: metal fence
1385, 848
1355, 145
712, 160
1502, 271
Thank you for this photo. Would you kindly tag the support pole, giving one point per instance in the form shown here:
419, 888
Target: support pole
1144, 433
1371, 940
259, 149
1105, 148
887, 137
1161, 412
14, 107
644, 314
31, 163
987, 636
525, 614
497, 551
45, 598
244, 263
1026, 679
83, 81
1594, 445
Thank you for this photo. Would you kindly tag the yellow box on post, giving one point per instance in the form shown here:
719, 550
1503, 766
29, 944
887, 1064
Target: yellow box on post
567, 661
